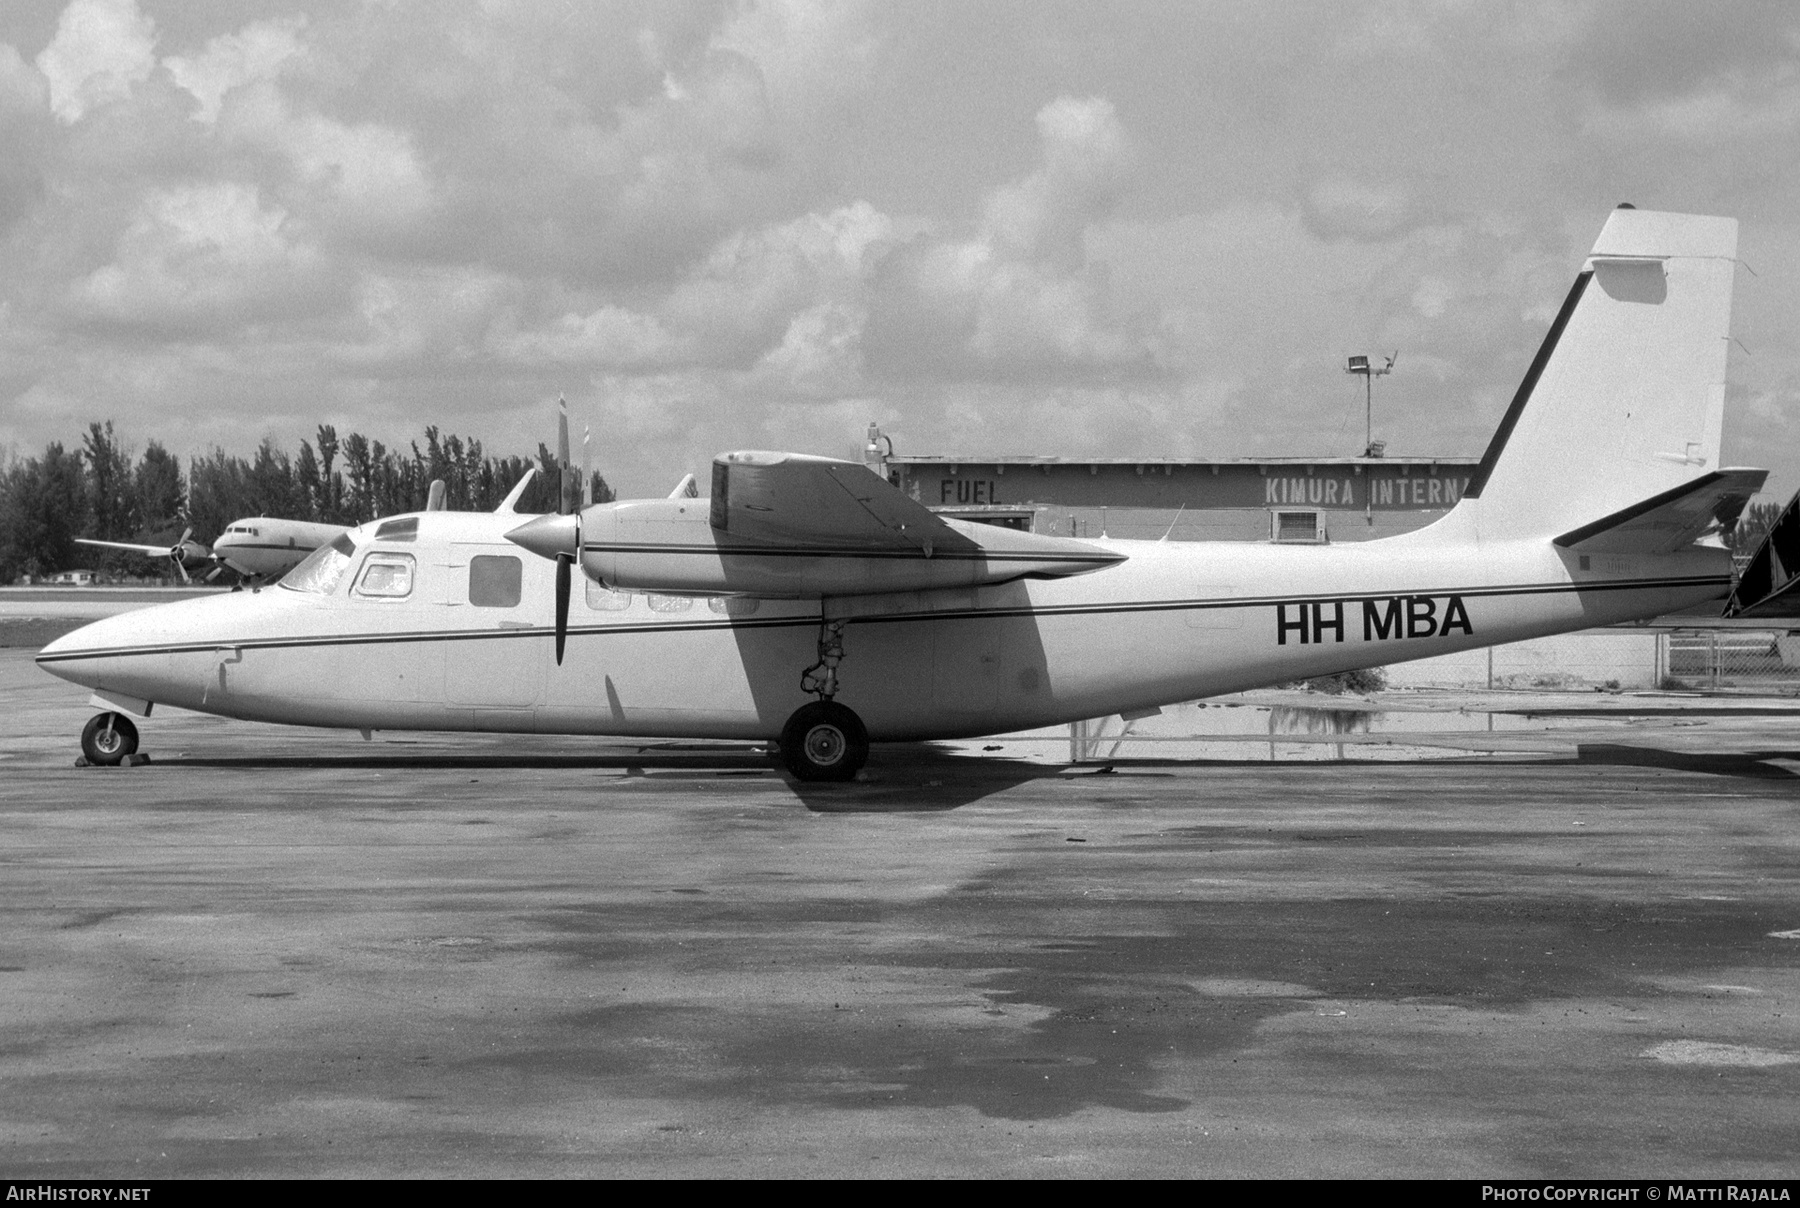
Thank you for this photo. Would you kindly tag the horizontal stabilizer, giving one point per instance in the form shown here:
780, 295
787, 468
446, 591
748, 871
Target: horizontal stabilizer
1770, 584
1671, 520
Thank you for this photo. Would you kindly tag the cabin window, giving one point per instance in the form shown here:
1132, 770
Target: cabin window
386, 576
733, 606
602, 598
669, 603
323, 569
494, 581
398, 530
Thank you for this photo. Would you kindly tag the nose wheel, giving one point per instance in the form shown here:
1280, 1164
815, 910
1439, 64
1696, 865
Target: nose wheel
824, 741
108, 738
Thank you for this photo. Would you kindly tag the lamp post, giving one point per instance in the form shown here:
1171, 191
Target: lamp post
1369, 374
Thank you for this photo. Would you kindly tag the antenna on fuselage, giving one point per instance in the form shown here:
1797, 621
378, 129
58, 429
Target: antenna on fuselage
1175, 521
511, 502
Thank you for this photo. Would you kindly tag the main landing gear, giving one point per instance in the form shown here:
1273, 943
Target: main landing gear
108, 738
824, 740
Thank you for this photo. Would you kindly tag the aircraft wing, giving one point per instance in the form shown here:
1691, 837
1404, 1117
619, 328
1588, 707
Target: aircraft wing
795, 500
154, 551
1668, 521
794, 526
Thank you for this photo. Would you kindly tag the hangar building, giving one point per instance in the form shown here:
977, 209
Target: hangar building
1299, 499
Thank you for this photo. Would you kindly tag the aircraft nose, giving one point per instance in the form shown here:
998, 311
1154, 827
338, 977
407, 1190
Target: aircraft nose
68, 657
67, 642
549, 536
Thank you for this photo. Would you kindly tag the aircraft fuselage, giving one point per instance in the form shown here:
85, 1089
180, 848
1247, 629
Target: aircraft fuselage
1172, 622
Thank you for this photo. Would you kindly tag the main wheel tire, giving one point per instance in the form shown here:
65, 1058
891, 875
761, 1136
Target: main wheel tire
824, 741
108, 738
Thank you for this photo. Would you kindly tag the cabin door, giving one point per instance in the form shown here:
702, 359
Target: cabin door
497, 652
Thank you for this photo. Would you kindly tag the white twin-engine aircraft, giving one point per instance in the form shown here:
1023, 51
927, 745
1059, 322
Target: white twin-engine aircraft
809, 602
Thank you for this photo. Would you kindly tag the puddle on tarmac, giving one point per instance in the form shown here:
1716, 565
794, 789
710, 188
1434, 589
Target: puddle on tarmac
1284, 733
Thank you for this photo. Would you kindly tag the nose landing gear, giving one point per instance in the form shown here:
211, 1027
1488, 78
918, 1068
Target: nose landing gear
108, 738
824, 740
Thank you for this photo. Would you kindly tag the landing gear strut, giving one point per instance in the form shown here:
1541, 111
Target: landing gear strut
821, 678
824, 740
108, 738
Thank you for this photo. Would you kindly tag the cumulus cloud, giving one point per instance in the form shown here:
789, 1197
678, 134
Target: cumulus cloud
24, 133
820, 354
22, 87
101, 50
610, 337
1021, 295
257, 52
768, 221
748, 291
426, 320
1696, 75
1339, 207
826, 304
1635, 51
784, 298
1738, 112
211, 255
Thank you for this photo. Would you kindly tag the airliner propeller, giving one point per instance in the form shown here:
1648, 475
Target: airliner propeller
186, 549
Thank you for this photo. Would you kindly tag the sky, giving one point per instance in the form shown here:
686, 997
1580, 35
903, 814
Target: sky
1034, 227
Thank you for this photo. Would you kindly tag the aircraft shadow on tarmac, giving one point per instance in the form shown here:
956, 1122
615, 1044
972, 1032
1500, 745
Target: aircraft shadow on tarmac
913, 777
1754, 765
922, 777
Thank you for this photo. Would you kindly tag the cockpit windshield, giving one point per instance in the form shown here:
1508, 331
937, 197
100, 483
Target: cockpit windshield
323, 569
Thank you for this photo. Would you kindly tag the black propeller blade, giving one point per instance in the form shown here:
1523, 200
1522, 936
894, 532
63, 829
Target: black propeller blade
564, 565
569, 504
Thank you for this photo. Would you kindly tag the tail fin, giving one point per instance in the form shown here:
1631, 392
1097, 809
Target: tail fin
1625, 399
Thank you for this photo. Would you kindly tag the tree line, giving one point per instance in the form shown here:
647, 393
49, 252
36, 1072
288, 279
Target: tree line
102, 489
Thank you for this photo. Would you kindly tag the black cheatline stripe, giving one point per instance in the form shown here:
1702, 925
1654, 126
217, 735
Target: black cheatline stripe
851, 552
237, 545
416, 636
1517, 408
1055, 610
1268, 601
1574, 536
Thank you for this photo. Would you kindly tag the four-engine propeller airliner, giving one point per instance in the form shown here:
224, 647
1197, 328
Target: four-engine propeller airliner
809, 602
257, 547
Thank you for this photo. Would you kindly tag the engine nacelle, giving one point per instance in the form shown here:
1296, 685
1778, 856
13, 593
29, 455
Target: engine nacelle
670, 546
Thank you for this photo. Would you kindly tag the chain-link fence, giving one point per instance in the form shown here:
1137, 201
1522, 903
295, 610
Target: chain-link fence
1742, 660
1711, 659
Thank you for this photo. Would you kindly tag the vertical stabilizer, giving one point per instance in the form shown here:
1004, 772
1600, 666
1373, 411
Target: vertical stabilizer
1625, 399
